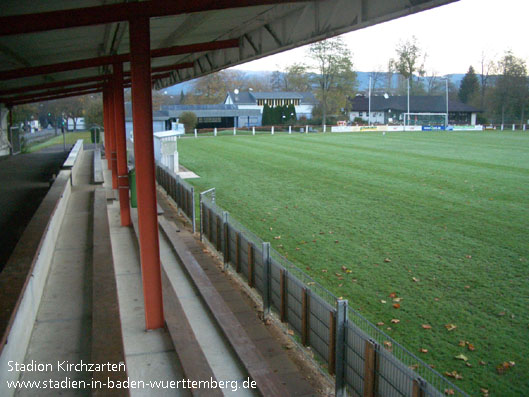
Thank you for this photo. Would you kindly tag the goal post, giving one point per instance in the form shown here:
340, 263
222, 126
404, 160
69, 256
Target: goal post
426, 119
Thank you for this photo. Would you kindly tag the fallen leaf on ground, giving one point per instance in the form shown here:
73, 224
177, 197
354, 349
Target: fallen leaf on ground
395, 320
461, 357
481, 362
396, 305
471, 347
393, 295
485, 392
449, 392
290, 332
397, 299
380, 323
426, 326
277, 237
453, 374
388, 345
423, 350
462, 343
387, 260
415, 279
382, 301
450, 327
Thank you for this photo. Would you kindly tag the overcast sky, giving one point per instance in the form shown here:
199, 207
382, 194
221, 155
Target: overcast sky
453, 36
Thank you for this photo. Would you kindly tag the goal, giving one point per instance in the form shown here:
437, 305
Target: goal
425, 119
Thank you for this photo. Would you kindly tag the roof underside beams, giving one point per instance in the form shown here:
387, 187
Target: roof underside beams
282, 28
254, 28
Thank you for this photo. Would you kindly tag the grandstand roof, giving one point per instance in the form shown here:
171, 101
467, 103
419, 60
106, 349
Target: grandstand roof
418, 104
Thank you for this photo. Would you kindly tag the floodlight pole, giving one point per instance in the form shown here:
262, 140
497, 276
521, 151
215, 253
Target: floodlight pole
446, 118
369, 104
408, 103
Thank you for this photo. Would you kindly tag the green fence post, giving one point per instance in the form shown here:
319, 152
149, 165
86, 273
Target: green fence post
132, 183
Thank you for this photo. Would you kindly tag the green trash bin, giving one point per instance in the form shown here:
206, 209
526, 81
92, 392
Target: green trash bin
132, 183
94, 134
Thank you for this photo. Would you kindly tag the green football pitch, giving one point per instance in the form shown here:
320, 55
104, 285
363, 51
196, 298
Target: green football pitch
437, 219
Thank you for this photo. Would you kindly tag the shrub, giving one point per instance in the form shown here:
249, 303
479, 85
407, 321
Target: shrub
189, 119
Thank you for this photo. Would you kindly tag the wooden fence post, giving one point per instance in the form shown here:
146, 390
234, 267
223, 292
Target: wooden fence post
332, 342
341, 320
251, 278
218, 235
305, 316
237, 252
418, 390
267, 279
369, 368
283, 289
226, 240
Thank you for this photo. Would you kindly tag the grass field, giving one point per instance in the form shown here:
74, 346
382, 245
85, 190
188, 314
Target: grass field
70, 139
440, 219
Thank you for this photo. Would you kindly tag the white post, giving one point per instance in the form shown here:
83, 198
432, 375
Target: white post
324, 128
513, 127
272, 131
290, 129
408, 105
253, 130
502, 127
195, 132
306, 129
523, 127
234, 131
369, 104
215, 131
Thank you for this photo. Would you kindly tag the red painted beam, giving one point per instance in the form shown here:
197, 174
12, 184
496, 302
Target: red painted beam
198, 47
62, 83
107, 60
121, 144
139, 32
77, 17
176, 66
49, 93
52, 98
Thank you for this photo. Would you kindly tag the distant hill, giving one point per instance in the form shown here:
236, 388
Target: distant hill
362, 78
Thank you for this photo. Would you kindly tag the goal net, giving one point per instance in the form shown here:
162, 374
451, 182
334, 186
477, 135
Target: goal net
425, 119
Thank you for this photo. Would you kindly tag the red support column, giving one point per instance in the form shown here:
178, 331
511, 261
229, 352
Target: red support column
106, 126
112, 123
139, 37
121, 144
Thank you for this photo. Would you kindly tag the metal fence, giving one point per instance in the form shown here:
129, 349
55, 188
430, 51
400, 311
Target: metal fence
364, 360
179, 190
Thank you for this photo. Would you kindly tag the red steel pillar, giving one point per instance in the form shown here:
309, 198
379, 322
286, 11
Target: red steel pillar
121, 144
106, 126
112, 123
140, 61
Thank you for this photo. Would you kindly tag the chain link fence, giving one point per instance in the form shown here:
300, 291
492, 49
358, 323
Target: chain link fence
365, 360
179, 190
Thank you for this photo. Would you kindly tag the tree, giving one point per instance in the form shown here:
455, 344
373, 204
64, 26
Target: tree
296, 78
410, 61
266, 120
469, 86
335, 77
94, 111
511, 90
488, 68
189, 119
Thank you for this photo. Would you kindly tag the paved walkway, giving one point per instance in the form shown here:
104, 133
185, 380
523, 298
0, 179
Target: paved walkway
24, 181
62, 331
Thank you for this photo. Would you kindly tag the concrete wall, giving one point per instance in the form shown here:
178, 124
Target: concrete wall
22, 327
4, 141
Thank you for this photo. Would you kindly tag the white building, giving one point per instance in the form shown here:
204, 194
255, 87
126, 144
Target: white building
304, 102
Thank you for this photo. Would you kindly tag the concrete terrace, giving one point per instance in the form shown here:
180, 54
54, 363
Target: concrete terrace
91, 310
